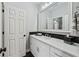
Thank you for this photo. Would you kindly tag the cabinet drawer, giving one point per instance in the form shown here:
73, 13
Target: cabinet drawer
53, 49
60, 53
63, 53
53, 55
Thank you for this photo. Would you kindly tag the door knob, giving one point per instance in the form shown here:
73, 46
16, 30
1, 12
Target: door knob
24, 35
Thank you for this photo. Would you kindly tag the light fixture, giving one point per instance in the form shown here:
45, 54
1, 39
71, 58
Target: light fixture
46, 5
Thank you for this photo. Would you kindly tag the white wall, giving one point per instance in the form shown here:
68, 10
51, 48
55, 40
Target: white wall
31, 15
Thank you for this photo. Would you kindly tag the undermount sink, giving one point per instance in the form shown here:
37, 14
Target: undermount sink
46, 37
50, 39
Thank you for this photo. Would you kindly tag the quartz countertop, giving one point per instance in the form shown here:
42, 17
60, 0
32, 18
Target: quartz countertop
58, 43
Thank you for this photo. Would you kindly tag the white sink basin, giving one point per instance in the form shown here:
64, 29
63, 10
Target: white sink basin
45, 37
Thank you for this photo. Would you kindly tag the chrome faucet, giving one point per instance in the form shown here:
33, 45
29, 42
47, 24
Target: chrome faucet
47, 35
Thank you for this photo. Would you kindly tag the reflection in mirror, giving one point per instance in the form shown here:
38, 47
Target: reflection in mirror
57, 23
49, 23
78, 22
55, 18
54, 23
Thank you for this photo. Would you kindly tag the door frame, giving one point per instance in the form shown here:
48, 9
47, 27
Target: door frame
2, 29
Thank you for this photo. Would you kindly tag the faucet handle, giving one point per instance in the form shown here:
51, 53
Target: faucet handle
67, 35
46, 34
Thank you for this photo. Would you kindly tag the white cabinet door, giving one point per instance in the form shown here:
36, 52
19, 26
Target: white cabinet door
43, 49
33, 46
38, 48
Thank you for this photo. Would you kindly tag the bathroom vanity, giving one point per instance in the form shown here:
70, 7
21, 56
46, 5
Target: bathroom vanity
57, 19
42, 46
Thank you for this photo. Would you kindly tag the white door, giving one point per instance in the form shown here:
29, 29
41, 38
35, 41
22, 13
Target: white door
15, 31
0, 27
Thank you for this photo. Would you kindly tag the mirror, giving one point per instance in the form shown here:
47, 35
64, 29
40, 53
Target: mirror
78, 22
55, 17
57, 23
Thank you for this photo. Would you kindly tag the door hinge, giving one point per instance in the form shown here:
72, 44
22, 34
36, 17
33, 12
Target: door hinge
4, 49
3, 33
0, 50
3, 10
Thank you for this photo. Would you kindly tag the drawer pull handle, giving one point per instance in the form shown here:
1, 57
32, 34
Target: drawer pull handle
37, 49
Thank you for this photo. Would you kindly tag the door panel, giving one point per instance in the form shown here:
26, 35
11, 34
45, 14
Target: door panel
15, 29
11, 26
21, 26
21, 47
12, 47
